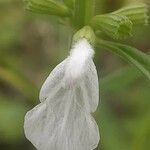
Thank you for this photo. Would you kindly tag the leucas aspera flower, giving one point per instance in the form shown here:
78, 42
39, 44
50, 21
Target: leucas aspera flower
62, 121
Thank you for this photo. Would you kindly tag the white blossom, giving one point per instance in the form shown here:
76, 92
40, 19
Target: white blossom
62, 121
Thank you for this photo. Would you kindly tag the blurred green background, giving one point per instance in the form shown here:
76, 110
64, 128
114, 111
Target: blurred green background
31, 45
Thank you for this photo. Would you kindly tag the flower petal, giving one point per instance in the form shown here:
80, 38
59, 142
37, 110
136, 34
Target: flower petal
52, 81
90, 87
88, 84
61, 124
63, 120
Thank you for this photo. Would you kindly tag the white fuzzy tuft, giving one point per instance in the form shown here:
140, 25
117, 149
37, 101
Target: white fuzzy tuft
80, 54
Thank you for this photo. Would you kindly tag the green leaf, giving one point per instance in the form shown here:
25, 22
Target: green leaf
134, 56
50, 7
19, 82
112, 139
141, 131
119, 79
11, 117
115, 26
137, 13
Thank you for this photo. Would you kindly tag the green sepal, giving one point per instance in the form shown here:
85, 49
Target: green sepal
115, 26
50, 7
137, 13
87, 33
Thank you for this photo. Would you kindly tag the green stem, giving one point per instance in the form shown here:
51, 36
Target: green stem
84, 10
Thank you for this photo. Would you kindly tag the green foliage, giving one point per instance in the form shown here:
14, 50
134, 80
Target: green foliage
11, 116
84, 11
19, 82
70, 3
119, 24
134, 56
119, 80
50, 7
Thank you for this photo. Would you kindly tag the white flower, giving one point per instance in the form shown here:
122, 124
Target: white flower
62, 121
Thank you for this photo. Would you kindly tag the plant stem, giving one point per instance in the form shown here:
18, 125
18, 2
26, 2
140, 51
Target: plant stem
84, 11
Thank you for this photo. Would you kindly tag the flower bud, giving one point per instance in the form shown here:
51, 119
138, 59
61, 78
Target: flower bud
50, 7
115, 26
137, 13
